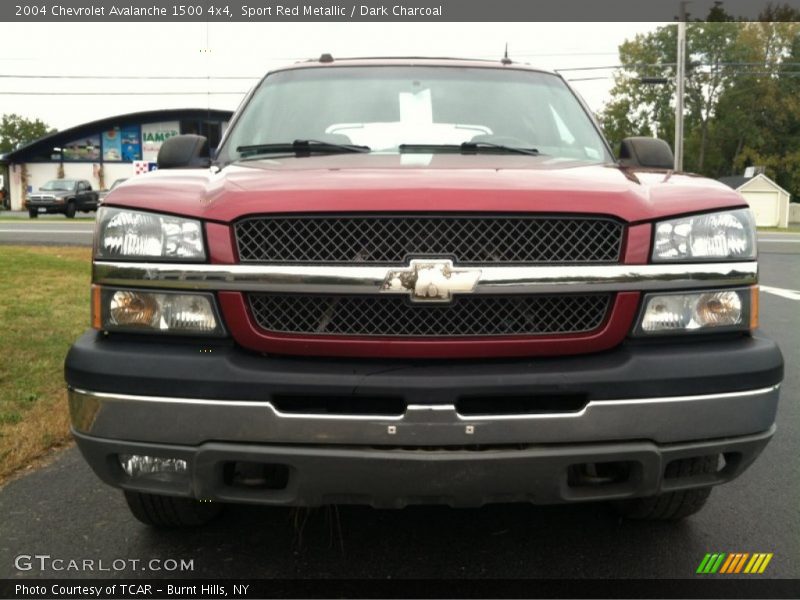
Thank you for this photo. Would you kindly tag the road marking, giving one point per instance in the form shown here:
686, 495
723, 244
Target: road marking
783, 293
52, 222
47, 222
776, 241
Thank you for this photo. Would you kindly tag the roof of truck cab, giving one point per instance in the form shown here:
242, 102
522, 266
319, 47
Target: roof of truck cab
399, 61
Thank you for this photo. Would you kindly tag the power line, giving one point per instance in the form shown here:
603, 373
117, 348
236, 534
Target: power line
632, 66
250, 77
181, 77
121, 93
732, 74
670, 65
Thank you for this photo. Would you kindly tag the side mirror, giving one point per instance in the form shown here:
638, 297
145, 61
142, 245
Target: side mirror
646, 152
184, 152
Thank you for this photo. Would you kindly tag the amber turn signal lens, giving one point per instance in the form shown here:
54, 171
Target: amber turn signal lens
97, 312
753, 307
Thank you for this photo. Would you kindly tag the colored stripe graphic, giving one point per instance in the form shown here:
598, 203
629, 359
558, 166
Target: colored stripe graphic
734, 562
711, 563
703, 564
729, 563
737, 563
749, 568
764, 564
741, 563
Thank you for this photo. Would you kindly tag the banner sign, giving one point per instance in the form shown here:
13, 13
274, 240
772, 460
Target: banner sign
131, 143
155, 134
112, 145
86, 149
281, 11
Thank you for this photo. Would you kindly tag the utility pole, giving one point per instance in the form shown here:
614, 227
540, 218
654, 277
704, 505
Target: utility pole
680, 88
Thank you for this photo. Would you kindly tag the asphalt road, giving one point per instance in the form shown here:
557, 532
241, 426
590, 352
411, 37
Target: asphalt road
63, 510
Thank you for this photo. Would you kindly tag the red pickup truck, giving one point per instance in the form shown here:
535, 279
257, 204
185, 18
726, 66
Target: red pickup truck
410, 281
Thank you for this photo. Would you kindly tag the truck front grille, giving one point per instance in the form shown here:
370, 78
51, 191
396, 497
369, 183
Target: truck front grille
393, 239
394, 316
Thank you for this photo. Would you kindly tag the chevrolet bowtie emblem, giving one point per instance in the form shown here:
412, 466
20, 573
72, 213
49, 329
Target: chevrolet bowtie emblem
431, 280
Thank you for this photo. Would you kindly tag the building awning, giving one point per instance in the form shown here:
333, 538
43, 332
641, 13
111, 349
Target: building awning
45, 145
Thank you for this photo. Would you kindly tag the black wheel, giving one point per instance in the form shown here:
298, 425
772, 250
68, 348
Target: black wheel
672, 506
170, 511
70, 210
33, 213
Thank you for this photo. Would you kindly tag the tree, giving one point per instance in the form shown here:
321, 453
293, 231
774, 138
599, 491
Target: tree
16, 131
742, 93
640, 108
760, 114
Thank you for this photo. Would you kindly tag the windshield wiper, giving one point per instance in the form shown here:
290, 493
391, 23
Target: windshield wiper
468, 147
299, 147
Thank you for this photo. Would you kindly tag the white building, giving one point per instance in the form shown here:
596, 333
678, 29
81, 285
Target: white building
105, 150
769, 201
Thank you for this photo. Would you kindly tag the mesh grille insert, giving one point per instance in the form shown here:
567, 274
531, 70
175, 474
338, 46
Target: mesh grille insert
394, 239
397, 316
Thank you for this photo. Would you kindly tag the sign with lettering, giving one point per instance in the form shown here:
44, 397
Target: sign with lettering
131, 143
155, 134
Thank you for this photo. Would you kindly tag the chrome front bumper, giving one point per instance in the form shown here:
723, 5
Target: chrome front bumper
192, 421
639, 406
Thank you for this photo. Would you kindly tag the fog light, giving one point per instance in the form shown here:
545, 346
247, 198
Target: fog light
169, 312
697, 312
140, 465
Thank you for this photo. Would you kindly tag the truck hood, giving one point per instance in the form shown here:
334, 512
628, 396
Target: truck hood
422, 183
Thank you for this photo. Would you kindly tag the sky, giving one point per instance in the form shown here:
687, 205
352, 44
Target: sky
217, 52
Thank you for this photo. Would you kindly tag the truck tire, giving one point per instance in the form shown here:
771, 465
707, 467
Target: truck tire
672, 506
170, 511
70, 211
33, 213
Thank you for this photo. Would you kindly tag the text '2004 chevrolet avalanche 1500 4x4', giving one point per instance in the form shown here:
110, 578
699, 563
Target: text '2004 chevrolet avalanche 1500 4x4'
420, 281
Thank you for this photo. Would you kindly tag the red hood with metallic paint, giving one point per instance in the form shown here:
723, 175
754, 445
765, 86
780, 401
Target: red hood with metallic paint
418, 183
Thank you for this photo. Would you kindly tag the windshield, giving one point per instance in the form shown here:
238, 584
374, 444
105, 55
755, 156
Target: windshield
387, 107
59, 185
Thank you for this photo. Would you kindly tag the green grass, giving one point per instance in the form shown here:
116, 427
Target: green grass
44, 306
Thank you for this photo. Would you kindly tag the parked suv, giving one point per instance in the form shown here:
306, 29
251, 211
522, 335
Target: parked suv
103, 193
421, 281
67, 196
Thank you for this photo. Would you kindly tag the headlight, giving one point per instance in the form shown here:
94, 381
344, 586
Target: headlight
699, 312
729, 235
123, 233
155, 312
